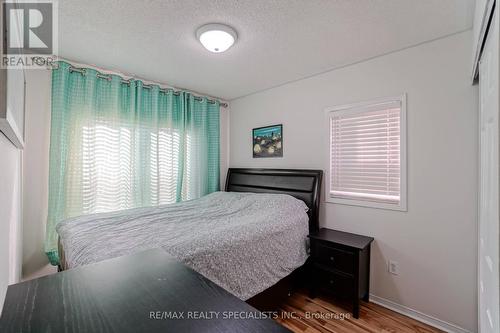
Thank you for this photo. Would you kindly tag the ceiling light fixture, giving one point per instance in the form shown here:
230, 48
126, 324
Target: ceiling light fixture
216, 37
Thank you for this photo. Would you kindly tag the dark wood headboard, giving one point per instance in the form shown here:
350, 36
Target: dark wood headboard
302, 184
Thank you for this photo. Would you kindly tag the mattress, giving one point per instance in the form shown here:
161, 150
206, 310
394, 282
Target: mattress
244, 242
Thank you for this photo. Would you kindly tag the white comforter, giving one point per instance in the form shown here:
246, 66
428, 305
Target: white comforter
244, 242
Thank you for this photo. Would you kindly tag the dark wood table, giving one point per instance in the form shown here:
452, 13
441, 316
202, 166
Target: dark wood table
145, 292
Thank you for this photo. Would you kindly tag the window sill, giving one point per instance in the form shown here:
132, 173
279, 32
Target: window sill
368, 204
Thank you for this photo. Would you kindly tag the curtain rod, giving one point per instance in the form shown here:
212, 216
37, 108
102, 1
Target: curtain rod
100, 75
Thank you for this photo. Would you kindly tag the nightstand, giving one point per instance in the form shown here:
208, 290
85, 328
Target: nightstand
341, 265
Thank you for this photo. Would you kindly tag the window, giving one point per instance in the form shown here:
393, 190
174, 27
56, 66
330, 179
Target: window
117, 145
367, 150
109, 173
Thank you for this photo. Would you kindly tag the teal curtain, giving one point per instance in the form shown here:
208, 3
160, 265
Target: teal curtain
116, 146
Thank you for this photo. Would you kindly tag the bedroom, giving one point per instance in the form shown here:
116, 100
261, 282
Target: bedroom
321, 166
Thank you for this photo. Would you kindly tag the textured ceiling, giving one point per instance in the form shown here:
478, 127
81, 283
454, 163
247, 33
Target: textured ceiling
279, 40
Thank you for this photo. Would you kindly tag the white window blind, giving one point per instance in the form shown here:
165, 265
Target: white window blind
365, 152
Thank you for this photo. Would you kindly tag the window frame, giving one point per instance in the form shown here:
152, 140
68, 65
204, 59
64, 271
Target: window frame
403, 199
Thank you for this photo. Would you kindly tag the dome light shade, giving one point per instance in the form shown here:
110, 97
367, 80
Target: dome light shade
216, 37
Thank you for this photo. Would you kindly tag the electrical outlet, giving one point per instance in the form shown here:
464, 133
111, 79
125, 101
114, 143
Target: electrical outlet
393, 267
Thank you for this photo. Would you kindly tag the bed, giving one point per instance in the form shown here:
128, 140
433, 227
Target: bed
246, 239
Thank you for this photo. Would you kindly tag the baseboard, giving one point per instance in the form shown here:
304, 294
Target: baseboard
417, 315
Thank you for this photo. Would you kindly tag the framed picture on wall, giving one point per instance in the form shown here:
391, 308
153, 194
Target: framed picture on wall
268, 141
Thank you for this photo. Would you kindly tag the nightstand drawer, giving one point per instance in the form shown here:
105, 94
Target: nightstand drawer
335, 283
337, 259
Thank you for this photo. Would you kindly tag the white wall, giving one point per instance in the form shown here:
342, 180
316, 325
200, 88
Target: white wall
435, 241
36, 171
10, 214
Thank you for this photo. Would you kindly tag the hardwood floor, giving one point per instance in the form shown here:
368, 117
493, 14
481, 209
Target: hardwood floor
325, 315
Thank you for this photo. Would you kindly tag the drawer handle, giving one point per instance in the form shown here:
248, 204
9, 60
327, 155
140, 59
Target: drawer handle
332, 259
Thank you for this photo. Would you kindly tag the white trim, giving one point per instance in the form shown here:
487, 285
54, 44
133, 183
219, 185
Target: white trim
483, 29
15, 225
403, 200
417, 315
366, 203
